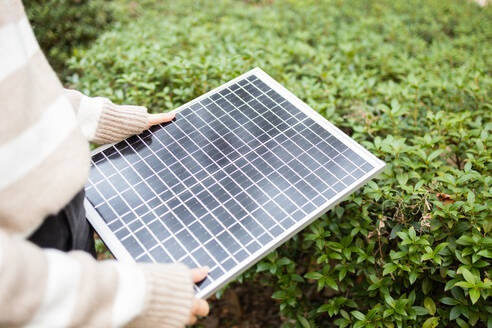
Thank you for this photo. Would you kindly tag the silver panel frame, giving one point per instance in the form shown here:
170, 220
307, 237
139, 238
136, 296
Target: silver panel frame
120, 252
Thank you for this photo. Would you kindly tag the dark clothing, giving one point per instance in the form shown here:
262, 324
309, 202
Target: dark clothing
67, 230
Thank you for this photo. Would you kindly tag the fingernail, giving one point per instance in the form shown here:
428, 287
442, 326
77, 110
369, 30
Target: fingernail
205, 269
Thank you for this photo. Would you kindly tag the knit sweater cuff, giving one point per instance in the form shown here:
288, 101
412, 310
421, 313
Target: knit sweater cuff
117, 122
169, 296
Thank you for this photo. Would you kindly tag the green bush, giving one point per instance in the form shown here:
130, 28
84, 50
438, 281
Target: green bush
63, 25
410, 80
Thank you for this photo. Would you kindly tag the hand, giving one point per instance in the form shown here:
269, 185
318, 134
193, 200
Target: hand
199, 307
160, 118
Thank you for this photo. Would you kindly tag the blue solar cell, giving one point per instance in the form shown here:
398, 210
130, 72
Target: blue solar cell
122, 233
187, 240
94, 196
216, 250
159, 230
228, 264
253, 247
226, 239
241, 256
132, 246
160, 255
265, 239
276, 231
203, 258
106, 212
115, 225
200, 233
118, 205
146, 238
174, 248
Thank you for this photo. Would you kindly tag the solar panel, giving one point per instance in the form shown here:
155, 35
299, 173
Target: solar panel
239, 171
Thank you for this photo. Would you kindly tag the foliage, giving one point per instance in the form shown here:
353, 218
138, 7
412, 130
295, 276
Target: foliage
410, 80
63, 25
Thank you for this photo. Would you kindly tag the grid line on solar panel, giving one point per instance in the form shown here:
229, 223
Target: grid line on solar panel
253, 143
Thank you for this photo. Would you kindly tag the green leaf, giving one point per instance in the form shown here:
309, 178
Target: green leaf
430, 305
449, 301
412, 277
462, 323
455, 312
279, 295
485, 253
426, 286
420, 310
474, 295
403, 235
402, 178
331, 283
324, 308
389, 300
303, 322
339, 211
283, 261
464, 284
469, 277
427, 256
465, 240
440, 247
358, 315
471, 198
296, 277
397, 255
360, 324
313, 275
389, 267
262, 267
450, 284
431, 322
411, 233
434, 154
466, 177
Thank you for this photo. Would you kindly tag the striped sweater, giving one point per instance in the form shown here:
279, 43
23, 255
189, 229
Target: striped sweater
44, 162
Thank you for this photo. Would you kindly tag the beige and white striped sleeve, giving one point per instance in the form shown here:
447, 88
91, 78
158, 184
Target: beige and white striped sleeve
103, 122
48, 288
39, 137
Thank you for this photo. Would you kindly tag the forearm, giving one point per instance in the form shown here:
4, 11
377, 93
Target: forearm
102, 122
55, 289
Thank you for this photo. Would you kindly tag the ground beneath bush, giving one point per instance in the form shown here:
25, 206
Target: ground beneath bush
243, 306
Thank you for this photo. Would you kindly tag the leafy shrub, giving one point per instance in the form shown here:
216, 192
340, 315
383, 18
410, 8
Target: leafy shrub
410, 80
62, 25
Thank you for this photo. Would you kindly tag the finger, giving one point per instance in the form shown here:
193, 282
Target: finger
192, 320
199, 307
198, 274
160, 118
